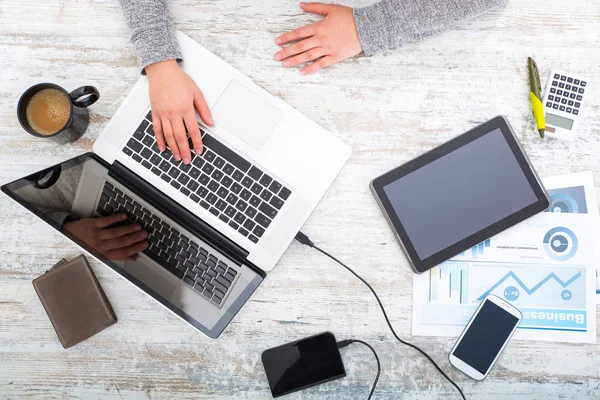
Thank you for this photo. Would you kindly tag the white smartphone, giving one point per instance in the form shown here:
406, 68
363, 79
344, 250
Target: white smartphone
485, 337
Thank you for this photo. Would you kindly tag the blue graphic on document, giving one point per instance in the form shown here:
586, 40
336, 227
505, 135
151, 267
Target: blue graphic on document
552, 299
467, 283
511, 293
560, 243
449, 282
566, 294
478, 249
568, 200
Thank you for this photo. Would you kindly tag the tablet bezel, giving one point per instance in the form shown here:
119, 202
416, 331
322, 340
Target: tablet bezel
421, 265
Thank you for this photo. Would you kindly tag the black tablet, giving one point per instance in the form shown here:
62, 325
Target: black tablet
460, 194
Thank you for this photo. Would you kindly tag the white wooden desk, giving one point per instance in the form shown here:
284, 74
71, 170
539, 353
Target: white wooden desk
389, 108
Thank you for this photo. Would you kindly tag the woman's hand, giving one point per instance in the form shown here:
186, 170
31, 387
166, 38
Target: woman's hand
325, 42
120, 244
173, 97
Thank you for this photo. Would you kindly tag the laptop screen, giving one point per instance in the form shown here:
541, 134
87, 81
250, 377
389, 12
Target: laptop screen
51, 195
72, 198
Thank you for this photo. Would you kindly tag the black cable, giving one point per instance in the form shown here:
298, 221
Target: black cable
345, 343
305, 240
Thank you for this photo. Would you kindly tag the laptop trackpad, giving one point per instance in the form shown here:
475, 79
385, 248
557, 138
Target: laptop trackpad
246, 115
152, 275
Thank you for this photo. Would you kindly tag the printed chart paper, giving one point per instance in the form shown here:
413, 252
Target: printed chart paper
580, 198
545, 266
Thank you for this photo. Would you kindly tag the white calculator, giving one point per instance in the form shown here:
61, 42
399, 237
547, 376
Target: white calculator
563, 101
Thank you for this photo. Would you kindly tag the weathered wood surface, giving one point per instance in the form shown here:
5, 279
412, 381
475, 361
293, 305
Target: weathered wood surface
390, 108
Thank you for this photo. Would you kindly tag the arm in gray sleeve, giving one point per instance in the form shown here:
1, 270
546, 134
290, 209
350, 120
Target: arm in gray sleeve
56, 218
391, 23
152, 32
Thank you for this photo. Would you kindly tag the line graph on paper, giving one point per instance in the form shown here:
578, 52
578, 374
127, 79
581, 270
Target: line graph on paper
523, 285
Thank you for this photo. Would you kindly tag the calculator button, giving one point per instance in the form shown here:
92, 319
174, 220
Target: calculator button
559, 92
556, 76
564, 101
552, 90
570, 102
576, 81
555, 106
550, 97
577, 105
575, 112
568, 87
579, 97
561, 85
572, 95
548, 104
569, 109
570, 80
554, 83
562, 108
583, 83
581, 90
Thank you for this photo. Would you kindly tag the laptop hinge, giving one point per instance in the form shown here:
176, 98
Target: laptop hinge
178, 213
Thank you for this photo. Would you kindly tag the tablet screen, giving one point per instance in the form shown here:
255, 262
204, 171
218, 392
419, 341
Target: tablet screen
460, 193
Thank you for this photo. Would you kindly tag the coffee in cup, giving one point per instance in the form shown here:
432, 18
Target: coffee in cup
46, 109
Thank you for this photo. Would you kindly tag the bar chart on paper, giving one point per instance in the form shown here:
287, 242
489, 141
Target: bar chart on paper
450, 280
449, 283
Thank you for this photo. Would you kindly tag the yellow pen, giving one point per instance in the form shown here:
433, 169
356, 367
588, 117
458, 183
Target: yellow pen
536, 97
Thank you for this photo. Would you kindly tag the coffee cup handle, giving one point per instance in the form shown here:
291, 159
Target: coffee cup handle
90, 94
56, 172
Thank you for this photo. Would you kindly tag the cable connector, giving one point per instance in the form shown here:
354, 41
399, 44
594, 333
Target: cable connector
302, 238
344, 343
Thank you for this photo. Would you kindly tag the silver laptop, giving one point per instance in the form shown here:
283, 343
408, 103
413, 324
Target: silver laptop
217, 225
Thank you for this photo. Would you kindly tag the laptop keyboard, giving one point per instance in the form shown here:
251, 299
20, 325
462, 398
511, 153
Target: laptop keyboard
174, 251
220, 180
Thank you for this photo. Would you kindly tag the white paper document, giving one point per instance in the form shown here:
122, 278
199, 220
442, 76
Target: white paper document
545, 266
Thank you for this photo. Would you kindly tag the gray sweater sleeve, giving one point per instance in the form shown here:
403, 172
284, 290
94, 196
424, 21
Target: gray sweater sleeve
152, 32
382, 26
390, 23
56, 218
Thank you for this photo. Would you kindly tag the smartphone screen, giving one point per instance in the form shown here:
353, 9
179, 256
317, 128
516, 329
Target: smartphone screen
303, 363
484, 339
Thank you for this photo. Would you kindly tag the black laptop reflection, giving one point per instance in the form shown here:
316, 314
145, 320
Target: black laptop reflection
145, 237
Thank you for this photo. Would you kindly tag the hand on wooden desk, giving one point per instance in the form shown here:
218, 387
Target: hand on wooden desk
122, 243
325, 42
173, 97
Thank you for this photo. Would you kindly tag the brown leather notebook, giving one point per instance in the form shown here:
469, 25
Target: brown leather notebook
74, 301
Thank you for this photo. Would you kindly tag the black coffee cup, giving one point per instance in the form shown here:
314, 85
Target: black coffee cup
79, 100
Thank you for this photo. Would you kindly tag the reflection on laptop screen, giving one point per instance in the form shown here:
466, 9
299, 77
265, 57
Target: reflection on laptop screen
51, 195
86, 203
